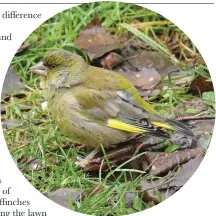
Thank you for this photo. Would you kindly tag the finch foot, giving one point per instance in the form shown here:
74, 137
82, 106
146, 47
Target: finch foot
82, 162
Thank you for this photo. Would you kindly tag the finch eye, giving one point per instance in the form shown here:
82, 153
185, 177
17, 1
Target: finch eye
53, 66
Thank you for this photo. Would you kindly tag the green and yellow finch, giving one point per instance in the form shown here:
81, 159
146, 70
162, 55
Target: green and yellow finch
96, 106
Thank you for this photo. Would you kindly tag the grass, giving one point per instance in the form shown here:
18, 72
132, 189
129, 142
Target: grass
39, 138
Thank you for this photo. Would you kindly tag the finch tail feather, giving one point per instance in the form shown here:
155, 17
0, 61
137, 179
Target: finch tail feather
180, 127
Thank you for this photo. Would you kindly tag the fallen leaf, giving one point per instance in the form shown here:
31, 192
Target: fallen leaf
186, 171
111, 60
159, 183
155, 162
203, 130
145, 78
202, 126
143, 67
129, 198
123, 152
200, 85
34, 164
96, 40
11, 123
204, 141
11, 83
161, 162
158, 195
150, 189
65, 196
169, 184
194, 105
141, 58
179, 78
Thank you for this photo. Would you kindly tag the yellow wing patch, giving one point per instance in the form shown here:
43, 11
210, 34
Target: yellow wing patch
162, 125
117, 124
114, 123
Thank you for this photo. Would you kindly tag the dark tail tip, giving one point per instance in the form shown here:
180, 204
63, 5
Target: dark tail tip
180, 127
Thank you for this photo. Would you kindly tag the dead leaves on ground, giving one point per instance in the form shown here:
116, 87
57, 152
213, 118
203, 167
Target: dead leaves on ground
151, 191
153, 163
65, 196
169, 184
157, 163
200, 85
96, 40
141, 64
11, 83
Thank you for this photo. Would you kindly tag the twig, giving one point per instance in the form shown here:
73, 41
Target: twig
127, 58
147, 24
161, 184
187, 118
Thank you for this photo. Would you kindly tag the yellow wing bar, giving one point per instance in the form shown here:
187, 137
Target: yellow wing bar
114, 123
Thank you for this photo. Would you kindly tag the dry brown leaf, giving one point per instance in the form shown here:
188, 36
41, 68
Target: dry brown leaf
186, 172
64, 196
145, 78
111, 60
140, 57
143, 66
123, 152
11, 83
202, 126
96, 40
161, 162
192, 104
170, 183
200, 85
149, 189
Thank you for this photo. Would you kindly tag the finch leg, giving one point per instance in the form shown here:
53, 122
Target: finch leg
82, 162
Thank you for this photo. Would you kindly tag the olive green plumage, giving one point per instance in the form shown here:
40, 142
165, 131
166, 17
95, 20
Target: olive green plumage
96, 106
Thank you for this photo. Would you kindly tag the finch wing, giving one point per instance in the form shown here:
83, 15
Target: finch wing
129, 94
110, 109
161, 122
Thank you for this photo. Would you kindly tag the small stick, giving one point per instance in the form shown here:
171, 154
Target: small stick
187, 118
125, 59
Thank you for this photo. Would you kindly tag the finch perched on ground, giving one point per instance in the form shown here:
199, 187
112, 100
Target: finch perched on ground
96, 106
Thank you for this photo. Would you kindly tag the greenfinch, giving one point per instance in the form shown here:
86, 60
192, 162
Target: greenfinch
96, 106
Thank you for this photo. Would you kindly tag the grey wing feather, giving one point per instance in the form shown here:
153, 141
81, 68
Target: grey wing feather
116, 107
122, 109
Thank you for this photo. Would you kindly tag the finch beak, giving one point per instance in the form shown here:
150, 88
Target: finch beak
39, 69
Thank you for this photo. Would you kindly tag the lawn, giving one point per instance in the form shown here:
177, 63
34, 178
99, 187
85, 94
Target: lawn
44, 155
